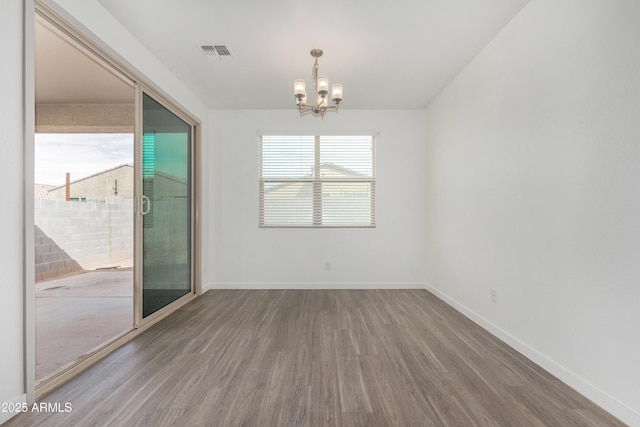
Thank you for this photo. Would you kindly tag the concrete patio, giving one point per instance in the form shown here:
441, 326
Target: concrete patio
76, 314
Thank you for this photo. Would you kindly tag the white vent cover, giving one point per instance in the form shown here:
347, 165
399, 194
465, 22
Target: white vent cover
220, 51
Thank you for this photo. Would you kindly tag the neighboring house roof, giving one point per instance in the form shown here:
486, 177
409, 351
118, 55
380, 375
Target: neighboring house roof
326, 170
171, 177
41, 191
126, 165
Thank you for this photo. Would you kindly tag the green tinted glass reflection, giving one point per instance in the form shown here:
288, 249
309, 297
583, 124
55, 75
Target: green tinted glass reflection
166, 171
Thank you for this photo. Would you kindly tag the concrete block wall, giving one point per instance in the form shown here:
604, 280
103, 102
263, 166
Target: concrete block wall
51, 260
72, 236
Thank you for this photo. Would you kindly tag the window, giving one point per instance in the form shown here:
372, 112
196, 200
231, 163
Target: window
317, 181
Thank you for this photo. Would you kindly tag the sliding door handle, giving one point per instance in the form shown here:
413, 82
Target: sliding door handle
148, 208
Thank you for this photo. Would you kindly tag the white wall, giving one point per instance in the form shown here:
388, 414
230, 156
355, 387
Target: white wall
11, 208
533, 166
243, 255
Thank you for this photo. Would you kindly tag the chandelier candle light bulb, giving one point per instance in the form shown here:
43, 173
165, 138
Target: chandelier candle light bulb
299, 91
336, 93
299, 87
321, 85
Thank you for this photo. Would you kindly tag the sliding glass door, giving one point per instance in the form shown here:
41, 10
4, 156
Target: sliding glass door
166, 206
121, 256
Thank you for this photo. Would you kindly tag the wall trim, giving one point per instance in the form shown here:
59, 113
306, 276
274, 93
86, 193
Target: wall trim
316, 285
28, 244
6, 416
579, 384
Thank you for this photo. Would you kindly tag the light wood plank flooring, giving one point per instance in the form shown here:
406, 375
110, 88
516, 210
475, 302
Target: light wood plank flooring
317, 357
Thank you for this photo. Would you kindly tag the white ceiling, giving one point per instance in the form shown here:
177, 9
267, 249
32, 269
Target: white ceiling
387, 54
66, 73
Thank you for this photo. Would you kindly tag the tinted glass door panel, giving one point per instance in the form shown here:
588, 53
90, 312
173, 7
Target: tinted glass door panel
166, 207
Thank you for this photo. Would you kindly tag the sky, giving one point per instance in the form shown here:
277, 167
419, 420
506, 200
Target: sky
79, 154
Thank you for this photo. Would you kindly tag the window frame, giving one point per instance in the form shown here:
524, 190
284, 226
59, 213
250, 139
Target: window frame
317, 181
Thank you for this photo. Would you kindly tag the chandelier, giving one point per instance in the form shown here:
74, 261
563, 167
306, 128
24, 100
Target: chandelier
321, 105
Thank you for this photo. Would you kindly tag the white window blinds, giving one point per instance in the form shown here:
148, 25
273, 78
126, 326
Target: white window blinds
317, 181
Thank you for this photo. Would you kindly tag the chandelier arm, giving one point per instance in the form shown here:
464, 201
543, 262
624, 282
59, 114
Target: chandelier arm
306, 109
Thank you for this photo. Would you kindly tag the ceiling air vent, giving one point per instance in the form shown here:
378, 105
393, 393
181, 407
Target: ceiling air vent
208, 50
220, 51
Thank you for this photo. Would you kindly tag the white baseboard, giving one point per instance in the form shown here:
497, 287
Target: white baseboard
6, 416
591, 392
315, 285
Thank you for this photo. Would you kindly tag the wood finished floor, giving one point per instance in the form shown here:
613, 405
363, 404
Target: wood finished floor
317, 357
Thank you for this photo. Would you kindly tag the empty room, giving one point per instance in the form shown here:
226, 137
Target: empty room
363, 213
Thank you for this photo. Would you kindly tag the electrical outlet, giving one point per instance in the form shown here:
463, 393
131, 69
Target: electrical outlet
494, 296
327, 265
